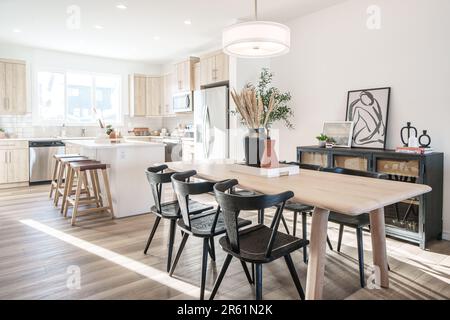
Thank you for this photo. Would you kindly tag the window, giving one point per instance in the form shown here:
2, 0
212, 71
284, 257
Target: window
78, 98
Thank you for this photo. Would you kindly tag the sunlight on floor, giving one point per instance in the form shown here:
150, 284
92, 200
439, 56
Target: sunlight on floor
130, 264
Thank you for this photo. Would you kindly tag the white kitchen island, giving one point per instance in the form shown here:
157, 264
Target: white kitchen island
130, 190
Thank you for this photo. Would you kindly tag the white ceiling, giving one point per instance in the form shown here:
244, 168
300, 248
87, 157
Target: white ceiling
129, 34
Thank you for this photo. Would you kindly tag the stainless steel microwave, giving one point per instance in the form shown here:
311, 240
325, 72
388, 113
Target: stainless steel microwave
183, 102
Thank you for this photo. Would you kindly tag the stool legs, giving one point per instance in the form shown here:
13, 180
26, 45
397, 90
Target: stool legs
88, 185
54, 176
58, 185
67, 190
77, 200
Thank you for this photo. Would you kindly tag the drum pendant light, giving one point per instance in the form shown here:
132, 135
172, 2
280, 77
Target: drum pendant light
256, 39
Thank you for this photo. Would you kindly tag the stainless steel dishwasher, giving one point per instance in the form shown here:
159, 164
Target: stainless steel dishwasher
41, 159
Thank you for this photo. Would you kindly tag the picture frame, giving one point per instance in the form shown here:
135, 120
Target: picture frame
340, 131
369, 111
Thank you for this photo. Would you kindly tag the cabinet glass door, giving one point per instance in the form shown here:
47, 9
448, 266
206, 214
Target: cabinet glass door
350, 162
403, 215
314, 158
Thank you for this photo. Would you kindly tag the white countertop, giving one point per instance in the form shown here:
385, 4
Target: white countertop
47, 139
105, 144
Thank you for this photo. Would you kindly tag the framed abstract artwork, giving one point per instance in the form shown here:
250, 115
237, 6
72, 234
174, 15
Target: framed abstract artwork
368, 109
340, 132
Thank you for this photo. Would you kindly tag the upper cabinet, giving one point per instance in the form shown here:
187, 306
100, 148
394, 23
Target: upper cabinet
153, 97
138, 108
12, 87
184, 75
214, 68
146, 94
168, 89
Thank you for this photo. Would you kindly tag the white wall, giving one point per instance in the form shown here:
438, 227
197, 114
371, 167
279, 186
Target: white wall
38, 59
333, 51
242, 71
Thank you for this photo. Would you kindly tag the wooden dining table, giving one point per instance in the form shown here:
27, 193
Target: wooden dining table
351, 195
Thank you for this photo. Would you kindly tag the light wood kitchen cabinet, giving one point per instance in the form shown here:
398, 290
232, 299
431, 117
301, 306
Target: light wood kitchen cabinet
12, 87
4, 166
147, 96
168, 89
14, 164
197, 76
184, 74
139, 107
18, 166
153, 96
214, 68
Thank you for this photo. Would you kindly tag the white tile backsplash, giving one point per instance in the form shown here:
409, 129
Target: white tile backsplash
22, 127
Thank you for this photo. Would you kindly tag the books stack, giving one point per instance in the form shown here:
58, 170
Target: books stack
412, 150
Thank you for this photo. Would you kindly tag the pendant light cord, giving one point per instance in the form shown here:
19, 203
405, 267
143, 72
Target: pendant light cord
256, 10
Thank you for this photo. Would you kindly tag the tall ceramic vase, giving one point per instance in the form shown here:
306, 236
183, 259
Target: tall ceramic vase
254, 146
269, 158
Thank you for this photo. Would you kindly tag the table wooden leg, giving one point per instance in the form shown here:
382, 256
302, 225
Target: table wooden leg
378, 234
317, 251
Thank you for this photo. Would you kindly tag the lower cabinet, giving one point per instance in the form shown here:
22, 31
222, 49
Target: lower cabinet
417, 219
14, 164
188, 150
72, 149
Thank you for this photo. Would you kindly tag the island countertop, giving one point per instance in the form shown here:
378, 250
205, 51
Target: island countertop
105, 144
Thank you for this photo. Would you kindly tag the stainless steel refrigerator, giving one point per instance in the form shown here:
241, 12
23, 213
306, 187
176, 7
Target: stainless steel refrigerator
211, 123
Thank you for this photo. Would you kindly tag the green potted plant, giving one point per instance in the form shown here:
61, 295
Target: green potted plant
2, 133
260, 107
280, 109
322, 139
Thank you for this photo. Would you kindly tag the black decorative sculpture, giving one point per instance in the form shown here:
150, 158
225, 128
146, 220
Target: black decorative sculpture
425, 136
408, 130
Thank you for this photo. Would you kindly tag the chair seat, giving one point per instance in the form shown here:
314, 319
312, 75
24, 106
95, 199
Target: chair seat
298, 207
255, 240
171, 210
201, 224
351, 221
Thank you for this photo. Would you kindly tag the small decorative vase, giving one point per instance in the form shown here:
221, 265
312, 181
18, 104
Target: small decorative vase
269, 158
254, 146
322, 144
113, 135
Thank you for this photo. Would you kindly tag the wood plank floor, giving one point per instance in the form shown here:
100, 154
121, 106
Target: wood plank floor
39, 249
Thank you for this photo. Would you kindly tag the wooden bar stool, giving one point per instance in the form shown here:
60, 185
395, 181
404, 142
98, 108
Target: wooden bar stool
57, 167
60, 182
81, 168
71, 178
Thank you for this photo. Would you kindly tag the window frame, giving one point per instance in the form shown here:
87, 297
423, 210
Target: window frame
36, 121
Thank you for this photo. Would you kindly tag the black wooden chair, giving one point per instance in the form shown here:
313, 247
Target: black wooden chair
206, 225
168, 210
243, 192
259, 244
355, 222
304, 210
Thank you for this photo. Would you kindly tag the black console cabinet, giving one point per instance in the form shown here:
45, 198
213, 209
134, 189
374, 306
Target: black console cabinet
417, 220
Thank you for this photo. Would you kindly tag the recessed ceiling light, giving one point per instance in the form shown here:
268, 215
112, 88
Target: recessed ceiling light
187, 22
98, 27
121, 6
17, 30
156, 38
